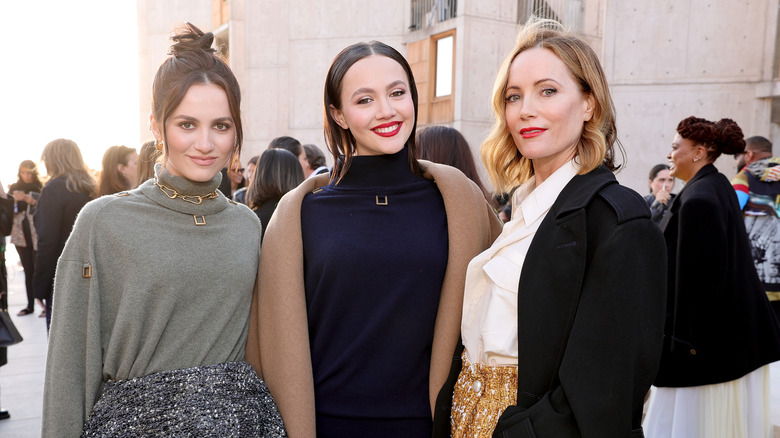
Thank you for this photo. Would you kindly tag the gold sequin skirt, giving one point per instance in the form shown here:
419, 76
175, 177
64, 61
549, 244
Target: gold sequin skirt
482, 393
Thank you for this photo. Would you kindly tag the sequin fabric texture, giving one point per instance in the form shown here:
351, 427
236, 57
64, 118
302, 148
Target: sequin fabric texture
482, 393
223, 400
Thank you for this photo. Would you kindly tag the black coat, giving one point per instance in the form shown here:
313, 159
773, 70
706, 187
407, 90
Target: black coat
590, 315
719, 324
55, 214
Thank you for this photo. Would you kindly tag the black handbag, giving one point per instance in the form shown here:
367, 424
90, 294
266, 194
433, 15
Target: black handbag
9, 335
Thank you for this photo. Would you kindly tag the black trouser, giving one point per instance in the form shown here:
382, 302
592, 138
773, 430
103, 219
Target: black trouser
27, 256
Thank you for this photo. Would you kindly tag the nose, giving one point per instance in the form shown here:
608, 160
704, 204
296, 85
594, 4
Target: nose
204, 143
528, 109
386, 109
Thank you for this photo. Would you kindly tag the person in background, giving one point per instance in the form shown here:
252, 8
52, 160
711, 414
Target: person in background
315, 161
6, 224
661, 196
154, 287
25, 192
563, 315
361, 280
445, 145
119, 171
249, 173
278, 173
720, 332
237, 180
292, 145
146, 161
758, 190
69, 188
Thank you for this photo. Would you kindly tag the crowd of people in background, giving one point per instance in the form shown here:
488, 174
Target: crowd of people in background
392, 293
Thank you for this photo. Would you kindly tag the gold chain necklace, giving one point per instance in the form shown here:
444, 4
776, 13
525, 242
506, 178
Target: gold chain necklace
192, 199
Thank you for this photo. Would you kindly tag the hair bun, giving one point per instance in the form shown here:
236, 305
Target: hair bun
731, 141
189, 38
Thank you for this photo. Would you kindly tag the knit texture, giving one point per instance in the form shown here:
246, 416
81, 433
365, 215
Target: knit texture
164, 293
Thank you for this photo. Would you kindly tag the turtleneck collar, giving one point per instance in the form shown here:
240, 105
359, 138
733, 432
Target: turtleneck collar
373, 171
184, 186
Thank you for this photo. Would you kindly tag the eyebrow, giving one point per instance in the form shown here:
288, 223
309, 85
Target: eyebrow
515, 87
371, 90
217, 120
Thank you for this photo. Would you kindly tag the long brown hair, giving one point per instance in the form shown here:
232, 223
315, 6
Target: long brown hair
62, 157
445, 145
111, 181
278, 171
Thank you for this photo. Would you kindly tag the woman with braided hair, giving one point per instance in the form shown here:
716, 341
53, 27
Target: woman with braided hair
720, 332
150, 323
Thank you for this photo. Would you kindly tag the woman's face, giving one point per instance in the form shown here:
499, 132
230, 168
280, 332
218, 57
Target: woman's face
681, 158
237, 174
201, 133
27, 175
663, 181
545, 109
376, 106
130, 170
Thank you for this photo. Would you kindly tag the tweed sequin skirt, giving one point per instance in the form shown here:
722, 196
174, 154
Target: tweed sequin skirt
224, 400
482, 393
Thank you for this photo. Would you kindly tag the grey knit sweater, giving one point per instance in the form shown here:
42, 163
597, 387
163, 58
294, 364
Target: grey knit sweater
164, 293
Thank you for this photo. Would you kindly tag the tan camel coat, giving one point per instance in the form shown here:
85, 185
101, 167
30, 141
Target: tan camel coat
278, 342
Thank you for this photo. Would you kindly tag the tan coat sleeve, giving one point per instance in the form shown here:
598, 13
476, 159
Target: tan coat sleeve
472, 227
279, 333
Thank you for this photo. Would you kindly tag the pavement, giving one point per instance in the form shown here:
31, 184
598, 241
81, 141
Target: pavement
21, 380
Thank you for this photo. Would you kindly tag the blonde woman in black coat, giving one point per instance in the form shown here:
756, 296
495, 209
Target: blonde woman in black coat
563, 314
720, 331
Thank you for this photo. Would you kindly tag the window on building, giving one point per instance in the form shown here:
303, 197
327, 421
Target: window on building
445, 53
566, 12
426, 13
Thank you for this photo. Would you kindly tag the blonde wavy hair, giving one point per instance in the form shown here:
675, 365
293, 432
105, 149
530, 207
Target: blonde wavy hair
63, 157
508, 168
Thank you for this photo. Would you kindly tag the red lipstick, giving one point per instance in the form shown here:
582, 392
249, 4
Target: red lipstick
532, 132
387, 129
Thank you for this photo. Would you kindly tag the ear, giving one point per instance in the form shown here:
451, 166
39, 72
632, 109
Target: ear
590, 107
155, 128
338, 116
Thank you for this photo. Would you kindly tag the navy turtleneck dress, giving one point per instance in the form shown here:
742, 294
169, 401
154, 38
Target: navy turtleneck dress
373, 277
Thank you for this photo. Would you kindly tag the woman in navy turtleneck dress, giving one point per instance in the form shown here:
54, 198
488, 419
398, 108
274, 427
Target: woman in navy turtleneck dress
362, 272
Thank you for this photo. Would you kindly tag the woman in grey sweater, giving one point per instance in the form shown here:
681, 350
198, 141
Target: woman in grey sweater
150, 321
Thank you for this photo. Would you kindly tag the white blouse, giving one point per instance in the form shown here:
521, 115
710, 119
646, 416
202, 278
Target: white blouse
489, 324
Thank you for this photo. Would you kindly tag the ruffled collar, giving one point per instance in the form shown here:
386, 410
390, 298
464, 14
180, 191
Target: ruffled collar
194, 191
379, 171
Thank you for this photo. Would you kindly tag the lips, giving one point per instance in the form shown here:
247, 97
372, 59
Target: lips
204, 161
387, 129
531, 132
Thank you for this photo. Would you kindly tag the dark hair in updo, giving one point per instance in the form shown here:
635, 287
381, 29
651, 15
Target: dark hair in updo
193, 61
723, 137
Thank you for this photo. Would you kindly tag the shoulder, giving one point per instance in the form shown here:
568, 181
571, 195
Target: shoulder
243, 213
452, 183
55, 184
625, 203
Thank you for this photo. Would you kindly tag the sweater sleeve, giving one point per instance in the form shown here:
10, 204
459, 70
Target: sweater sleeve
73, 379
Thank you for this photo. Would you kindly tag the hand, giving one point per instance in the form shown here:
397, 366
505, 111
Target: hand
663, 196
19, 196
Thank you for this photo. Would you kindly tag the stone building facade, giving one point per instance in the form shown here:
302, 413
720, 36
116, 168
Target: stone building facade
664, 60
